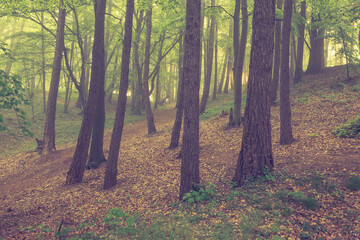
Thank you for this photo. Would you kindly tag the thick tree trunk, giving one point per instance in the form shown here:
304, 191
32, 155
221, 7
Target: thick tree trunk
240, 65
276, 69
49, 129
286, 136
316, 59
77, 167
175, 135
300, 47
111, 166
209, 63
149, 114
190, 149
256, 150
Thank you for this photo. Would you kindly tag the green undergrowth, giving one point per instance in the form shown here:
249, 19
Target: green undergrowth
351, 129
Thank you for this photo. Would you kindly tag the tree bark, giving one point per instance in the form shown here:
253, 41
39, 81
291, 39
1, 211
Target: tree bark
49, 129
77, 167
276, 69
256, 150
239, 65
219, 91
209, 63
43, 69
149, 114
111, 166
300, 47
316, 59
286, 136
190, 149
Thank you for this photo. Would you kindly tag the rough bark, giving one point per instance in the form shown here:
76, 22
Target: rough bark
77, 167
190, 149
239, 65
209, 63
149, 114
175, 135
256, 149
276, 69
300, 46
111, 166
316, 59
286, 136
49, 129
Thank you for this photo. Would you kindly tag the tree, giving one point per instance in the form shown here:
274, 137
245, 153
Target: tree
316, 58
49, 129
276, 75
209, 63
149, 114
300, 47
286, 136
175, 135
239, 64
256, 149
77, 167
111, 166
190, 149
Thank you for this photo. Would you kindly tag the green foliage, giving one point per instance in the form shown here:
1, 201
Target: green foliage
298, 197
12, 96
200, 193
351, 129
353, 183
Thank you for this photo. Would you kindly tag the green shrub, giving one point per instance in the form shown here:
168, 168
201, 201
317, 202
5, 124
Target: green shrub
200, 193
353, 183
351, 129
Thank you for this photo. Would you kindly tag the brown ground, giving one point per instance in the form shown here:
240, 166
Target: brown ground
33, 192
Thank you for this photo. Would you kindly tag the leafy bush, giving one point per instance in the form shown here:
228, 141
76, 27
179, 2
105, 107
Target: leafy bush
201, 193
299, 197
353, 183
351, 129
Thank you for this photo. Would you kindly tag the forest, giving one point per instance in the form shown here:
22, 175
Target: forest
179, 119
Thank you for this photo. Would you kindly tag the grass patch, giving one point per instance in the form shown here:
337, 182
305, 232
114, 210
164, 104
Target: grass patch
353, 183
351, 129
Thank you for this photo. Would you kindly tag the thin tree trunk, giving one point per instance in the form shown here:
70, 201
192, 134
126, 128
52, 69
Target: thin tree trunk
190, 149
49, 129
175, 135
229, 69
219, 91
149, 114
240, 65
256, 149
43, 69
216, 65
276, 68
210, 57
111, 166
300, 48
286, 136
77, 167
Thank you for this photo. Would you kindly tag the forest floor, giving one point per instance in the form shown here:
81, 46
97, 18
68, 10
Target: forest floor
304, 198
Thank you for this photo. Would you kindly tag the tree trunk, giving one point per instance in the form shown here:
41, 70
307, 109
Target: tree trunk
216, 64
175, 135
190, 149
137, 102
110, 89
286, 136
111, 166
77, 167
256, 150
49, 129
240, 65
228, 75
276, 69
149, 114
43, 69
316, 59
209, 63
219, 91
300, 48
